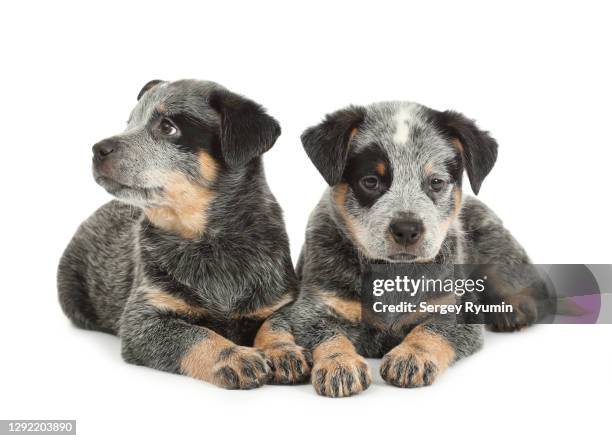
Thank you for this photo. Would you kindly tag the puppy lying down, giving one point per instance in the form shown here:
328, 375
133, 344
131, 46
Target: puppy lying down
395, 173
192, 257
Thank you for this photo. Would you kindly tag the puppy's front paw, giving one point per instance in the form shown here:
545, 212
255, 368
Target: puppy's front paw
524, 313
290, 363
240, 367
410, 366
341, 375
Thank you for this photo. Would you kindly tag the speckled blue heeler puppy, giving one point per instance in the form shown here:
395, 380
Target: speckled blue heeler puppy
394, 171
192, 257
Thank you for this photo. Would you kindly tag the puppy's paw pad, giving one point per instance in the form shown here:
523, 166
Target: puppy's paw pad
341, 375
240, 367
290, 363
409, 366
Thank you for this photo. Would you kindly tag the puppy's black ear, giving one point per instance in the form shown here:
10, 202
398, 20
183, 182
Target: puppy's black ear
478, 148
247, 131
148, 86
327, 144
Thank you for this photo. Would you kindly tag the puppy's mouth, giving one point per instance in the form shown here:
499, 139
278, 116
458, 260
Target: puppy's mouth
402, 257
126, 192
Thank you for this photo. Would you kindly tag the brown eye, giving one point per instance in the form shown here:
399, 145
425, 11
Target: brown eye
371, 182
167, 128
437, 184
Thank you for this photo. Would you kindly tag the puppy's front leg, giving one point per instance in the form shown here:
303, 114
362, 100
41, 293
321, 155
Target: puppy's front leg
161, 336
290, 363
339, 371
511, 277
427, 351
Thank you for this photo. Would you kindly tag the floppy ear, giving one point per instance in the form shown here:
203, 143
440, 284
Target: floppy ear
327, 144
247, 131
478, 148
148, 86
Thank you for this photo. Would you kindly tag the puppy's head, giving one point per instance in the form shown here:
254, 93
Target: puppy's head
181, 133
395, 169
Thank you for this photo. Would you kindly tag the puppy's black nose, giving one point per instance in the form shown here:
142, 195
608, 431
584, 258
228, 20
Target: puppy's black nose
103, 148
406, 231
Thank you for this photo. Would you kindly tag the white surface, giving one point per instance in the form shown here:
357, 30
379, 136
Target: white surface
537, 76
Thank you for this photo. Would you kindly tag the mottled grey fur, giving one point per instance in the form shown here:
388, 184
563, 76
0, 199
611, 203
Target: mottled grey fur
217, 285
344, 237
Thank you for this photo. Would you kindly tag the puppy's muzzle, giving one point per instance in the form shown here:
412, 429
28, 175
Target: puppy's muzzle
406, 231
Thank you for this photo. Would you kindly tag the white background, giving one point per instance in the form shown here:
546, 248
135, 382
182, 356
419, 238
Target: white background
536, 75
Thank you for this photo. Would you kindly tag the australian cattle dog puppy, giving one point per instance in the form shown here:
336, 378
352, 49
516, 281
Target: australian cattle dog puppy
394, 171
192, 257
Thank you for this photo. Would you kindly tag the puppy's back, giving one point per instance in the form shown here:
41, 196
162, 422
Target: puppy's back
96, 271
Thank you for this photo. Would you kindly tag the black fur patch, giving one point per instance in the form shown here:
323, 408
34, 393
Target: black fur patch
197, 135
326, 144
479, 148
365, 163
148, 86
247, 131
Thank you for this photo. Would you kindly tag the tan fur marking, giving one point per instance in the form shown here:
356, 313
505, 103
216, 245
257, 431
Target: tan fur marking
169, 303
448, 222
338, 344
381, 168
457, 145
339, 194
437, 347
201, 358
351, 136
348, 309
265, 312
208, 166
415, 317
335, 362
266, 337
457, 191
289, 362
428, 169
182, 207
340, 191
429, 355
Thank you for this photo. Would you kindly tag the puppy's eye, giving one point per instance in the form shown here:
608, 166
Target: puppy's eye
167, 128
371, 182
436, 184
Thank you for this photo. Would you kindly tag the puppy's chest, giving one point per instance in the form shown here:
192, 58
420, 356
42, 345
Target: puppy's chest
214, 295
229, 312
218, 290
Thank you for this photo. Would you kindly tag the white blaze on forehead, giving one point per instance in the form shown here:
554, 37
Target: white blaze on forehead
401, 125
